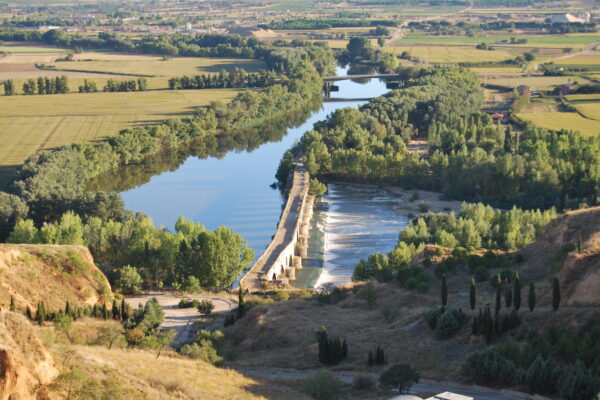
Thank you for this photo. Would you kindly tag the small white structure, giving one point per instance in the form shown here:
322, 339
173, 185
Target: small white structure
566, 18
449, 396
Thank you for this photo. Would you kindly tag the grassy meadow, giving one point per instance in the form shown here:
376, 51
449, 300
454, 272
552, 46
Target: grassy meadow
450, 54
563, 120
29, 124
559, 41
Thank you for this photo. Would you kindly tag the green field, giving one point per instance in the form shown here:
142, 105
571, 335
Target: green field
537, 82
589, 110
75, 82
155, 66
575, 41
32, 49
563, 120
584, 97
29, 124
450, 54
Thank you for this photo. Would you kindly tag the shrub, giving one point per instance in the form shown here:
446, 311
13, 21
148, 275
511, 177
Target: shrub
363, 383
431, 317
400, 377
202, 350
450, 322
188, 303
322, 385
130, 280
481, 273
487, 366
205, 307
192, 285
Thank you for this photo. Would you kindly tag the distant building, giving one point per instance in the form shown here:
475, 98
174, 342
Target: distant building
566, 89
569, 18
499, 117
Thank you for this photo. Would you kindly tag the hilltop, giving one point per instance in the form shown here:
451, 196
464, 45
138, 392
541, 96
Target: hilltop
50, 273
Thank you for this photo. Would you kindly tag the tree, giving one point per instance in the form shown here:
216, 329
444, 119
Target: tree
9, 87
444, 291
472, 294
517, 292
381, 41
12, 308
531, 297
400, 377
368, 294
508, 139
40, 313
28, 313
130, 280
360, 47
241, 302
322, 385
142, 84
63, 324
555, 294
498, 294
370, 359
111, 333
205, 307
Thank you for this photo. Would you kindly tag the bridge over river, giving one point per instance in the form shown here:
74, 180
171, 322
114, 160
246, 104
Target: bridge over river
289, 244
363, 76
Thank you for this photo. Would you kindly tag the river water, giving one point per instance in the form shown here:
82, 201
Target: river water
234, 190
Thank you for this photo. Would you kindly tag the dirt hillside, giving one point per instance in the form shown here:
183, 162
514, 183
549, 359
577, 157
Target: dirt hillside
54, 274
25, 364
556, 252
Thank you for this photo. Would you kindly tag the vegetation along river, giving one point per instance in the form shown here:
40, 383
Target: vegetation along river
233, 189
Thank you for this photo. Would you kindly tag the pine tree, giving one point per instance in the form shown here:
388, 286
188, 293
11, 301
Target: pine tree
517, 292
444, 291
555, 294
531, 298
472, 294
13, 307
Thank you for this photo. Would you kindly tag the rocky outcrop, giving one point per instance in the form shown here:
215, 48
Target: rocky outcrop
26, 367
52, 274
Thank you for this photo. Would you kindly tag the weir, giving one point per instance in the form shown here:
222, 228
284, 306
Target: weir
284, 254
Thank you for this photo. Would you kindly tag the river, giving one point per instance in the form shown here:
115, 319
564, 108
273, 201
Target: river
234, 190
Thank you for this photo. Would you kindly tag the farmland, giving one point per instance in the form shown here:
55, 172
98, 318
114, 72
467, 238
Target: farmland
450, 54
32, 123
558, 41
156, 66
563, 120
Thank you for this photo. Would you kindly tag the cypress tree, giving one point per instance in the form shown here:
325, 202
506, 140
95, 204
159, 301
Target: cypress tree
124, 313
472, 294
242, 303
579, 245
370, 361
344, 349
40, 314
531, 298
28, 313
498, 295
555, 294
115, 310
508, 140
517, 292
68, 309
13, 307
104, 311
508, 297
444, 291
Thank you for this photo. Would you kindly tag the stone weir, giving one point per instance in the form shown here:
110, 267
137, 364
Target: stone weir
284, 254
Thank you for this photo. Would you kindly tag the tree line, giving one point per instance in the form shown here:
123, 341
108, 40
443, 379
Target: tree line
469, 157
41, 85
234, 79
318, 23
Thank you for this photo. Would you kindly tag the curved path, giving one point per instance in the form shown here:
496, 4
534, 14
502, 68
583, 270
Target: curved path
181, 319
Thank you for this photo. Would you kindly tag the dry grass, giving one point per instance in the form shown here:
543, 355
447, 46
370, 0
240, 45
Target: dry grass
563, 120
32, 123
589, 110
536, 82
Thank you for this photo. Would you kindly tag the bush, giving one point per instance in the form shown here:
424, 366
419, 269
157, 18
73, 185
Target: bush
450, 322
202, 350
363, 383
205, 307
192, 285
481, 274
488, 366
322, 385
188, 303
431, 317
130, 280
400, 377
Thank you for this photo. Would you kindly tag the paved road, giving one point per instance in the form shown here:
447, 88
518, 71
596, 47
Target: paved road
415, 389
181, 319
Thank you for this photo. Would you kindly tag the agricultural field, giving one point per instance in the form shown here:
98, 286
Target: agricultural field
31, 49
563, 120
590, 110
450, 54
32, 123
537, 82
156, 66
552, 41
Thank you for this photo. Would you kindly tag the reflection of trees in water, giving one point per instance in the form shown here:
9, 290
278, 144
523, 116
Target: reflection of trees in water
130, 176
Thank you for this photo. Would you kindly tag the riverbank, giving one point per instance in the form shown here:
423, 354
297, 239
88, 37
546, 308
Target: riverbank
415, 198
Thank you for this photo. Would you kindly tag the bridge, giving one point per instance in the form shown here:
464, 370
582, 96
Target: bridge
363, 76
284, 254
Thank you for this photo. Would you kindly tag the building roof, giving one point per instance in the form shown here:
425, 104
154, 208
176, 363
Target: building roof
449, 396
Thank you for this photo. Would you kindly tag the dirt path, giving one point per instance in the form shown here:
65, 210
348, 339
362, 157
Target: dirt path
425, 386
181, 319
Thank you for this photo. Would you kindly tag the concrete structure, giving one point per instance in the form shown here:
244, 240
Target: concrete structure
284, 254
570, 18
364, 76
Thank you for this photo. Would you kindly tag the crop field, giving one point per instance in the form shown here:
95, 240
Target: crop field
32, 123
589, 58
450, 54
76, 79
563, 120
32, 49
532, 40
155, 66
537, 82
583, 97
589, 110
